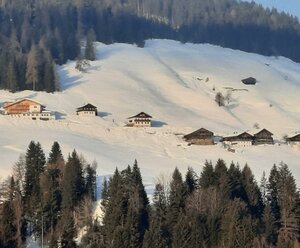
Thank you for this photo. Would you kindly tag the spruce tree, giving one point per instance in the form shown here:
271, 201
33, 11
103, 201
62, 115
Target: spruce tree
177, 199
55, 154
8, 228
90, 181
235, 181
288, 198
73, 186
35, 163
191, 180
207, 177
252, 194
158, 234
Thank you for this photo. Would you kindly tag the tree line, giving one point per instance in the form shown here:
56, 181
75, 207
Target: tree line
46, 199
223, 207
35, 35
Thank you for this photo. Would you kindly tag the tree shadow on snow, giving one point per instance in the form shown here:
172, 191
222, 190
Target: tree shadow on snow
103, 114
59, 116
158, 123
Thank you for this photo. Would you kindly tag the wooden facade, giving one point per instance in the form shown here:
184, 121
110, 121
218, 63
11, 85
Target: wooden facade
27, 109
201, 136
140, 120
22, 106
87, 110
263, 137
294, 139
242, 140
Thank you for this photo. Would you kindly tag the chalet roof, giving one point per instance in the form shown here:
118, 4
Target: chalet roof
21, 100
141, 115
87, 106
249, 80
294, 138
199, 134
263, 132
242, 136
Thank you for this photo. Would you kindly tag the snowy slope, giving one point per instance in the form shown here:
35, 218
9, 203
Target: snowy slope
167, 80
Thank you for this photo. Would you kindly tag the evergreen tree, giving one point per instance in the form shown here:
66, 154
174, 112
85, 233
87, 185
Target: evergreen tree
73, 186
55, 154
235, 181
252, 195
35, 163
288, 198
191, 181
90, 181
177, 198
8, 229
158, 234
207, 177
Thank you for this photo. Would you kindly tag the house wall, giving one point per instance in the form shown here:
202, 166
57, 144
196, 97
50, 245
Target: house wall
202, 142
263, 141
35, 116
23, 107
140, 122
86, 113
239, 143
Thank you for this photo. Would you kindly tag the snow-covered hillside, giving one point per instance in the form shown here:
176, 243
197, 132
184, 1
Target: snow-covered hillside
176, 84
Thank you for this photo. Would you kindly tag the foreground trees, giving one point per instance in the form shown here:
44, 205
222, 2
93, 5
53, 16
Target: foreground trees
47, 199
223, 207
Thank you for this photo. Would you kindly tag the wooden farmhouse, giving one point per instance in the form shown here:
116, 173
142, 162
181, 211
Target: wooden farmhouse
241, 140
87, 110
27, 108
263, 137
200, 137
140, 120
295, 140
249, 81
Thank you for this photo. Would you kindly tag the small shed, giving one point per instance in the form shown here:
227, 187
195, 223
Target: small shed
87, 110
140, 120
241, 140
263, 137
249, 81
200, 137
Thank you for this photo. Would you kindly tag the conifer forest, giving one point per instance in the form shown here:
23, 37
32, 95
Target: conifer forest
36, 35
52, 200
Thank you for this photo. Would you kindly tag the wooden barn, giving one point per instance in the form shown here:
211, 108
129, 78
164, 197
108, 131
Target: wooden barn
28, 109
87, 110
200, 137
249, 81
294, 140
241, 140
140, 120
263, 137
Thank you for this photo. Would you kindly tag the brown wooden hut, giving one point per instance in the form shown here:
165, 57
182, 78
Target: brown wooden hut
263, 137
243, 139
200, 137
294, 140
